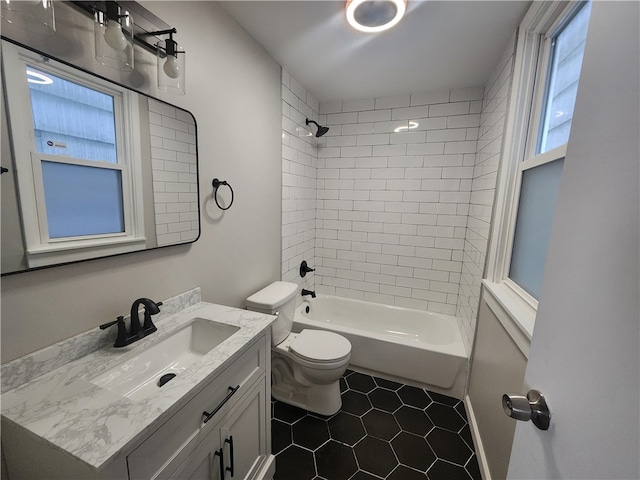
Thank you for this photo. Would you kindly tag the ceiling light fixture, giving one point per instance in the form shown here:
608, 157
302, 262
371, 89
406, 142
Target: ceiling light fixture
371, 16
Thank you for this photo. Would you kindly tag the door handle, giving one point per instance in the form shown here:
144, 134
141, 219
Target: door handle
532, 407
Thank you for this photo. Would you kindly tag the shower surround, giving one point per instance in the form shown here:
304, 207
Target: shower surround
400, 192
394, 186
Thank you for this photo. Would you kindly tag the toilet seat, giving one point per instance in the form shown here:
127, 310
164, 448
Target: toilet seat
319, 346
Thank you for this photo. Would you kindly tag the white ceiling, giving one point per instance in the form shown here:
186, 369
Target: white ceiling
439, 44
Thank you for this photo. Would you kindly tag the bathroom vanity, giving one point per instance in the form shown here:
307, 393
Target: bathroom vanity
93, 418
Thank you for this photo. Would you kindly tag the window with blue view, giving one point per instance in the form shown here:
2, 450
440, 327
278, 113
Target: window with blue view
539, 174
71, 119
567, 53
77, 124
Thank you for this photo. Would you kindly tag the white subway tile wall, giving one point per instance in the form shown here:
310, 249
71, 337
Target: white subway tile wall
393, 204
492, 121
394, 184
174, 168
299, 180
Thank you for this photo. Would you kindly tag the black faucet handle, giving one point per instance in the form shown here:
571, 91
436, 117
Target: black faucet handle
304, 268
104, 326
121, 339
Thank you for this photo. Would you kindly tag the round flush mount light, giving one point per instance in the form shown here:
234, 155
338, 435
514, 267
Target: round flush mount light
372, 16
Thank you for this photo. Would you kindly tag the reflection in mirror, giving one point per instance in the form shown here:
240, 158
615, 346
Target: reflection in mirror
95, 169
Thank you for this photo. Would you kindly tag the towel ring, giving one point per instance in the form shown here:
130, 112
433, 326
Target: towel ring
216, 184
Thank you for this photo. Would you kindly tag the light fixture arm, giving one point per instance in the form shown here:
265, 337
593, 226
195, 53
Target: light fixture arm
170, 44
169, 31
112, 11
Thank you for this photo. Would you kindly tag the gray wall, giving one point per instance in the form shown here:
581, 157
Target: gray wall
12, 250
232, 86
498, 367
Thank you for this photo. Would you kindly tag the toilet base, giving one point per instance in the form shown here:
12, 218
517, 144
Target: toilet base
321, 399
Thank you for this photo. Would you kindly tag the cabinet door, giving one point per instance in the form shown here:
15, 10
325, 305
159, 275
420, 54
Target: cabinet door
245, 435
205, 463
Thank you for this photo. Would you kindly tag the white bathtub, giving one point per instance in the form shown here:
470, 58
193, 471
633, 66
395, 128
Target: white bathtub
418, 347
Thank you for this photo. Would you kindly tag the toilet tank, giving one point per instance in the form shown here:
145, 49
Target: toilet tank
279, 297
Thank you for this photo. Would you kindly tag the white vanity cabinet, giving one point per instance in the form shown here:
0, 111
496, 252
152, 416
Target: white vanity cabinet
236, 447
222, 431
225, 425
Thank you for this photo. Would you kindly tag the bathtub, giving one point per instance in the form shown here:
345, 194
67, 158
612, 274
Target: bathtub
411, 346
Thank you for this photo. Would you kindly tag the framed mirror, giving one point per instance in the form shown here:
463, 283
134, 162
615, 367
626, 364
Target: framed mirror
93, 168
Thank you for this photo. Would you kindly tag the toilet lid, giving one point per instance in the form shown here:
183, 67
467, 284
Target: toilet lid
320, 346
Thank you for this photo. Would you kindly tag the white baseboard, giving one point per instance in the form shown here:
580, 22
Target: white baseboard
477, 441
266, 471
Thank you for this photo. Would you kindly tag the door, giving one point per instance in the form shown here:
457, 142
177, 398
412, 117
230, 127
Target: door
205, 462
585, 351
243, 436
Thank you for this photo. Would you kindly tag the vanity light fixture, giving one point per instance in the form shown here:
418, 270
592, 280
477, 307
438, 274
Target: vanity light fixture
171, 63
116, 32
372, 16
113, 30
35, 16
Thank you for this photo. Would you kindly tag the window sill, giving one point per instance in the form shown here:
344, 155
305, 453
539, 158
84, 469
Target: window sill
516, 316
76, 251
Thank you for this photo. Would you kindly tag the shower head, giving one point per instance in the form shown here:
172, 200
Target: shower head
321, 130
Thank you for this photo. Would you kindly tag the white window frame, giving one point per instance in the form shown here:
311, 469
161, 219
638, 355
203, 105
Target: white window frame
40, 249
541, 24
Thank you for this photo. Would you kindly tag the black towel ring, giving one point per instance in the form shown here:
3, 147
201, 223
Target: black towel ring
216, 184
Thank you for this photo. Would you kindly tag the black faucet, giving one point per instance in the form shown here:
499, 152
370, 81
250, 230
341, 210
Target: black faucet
308, 292
136, 332
150, 308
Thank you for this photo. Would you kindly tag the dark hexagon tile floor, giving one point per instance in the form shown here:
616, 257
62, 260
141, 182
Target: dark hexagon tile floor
385, 430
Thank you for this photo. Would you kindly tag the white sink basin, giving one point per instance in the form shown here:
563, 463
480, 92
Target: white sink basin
137, 377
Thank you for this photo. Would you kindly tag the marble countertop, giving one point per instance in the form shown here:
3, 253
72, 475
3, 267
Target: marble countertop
94, 424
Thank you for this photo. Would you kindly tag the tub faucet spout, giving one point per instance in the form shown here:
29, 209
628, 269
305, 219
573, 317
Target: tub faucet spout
308, 292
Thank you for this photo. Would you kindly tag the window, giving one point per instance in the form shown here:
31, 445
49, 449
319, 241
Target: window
74, 157
551, 47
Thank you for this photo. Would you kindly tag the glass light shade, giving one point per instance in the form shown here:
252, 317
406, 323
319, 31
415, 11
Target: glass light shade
171, 69
371, 16
114, 41
36, 16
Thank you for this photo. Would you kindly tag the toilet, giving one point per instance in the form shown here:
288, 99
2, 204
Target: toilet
305, 367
